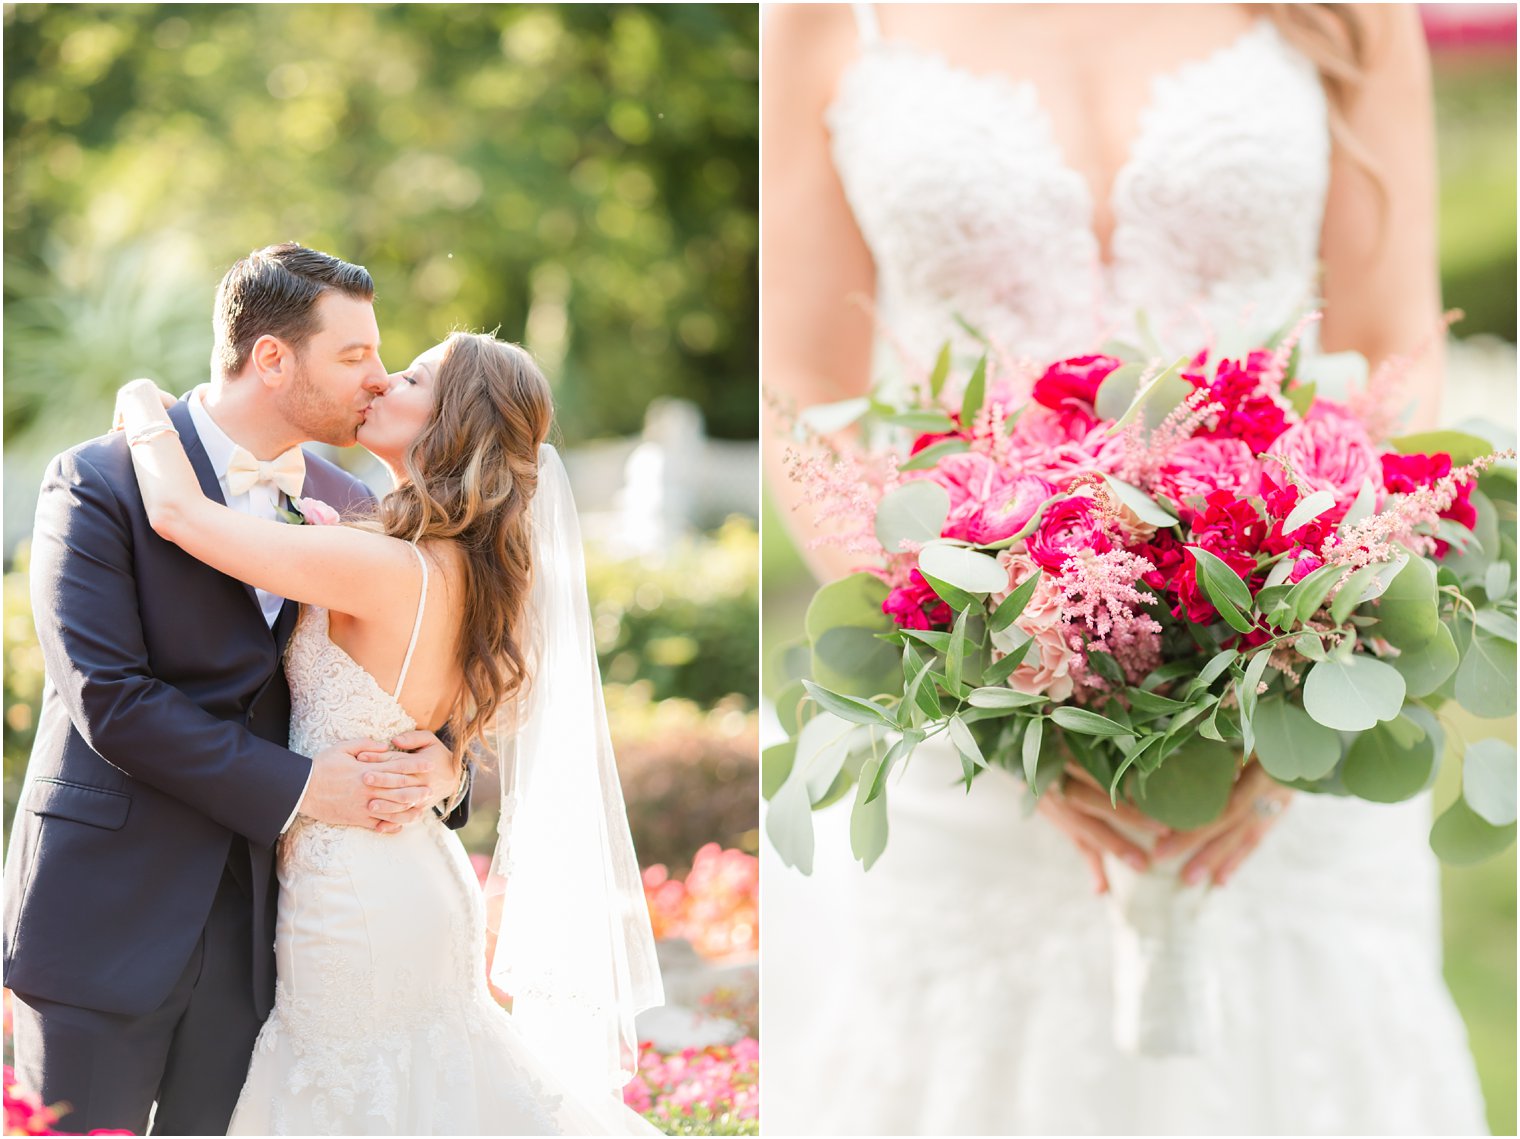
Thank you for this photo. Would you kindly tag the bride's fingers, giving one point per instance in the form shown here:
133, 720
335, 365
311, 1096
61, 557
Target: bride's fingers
398, 801
1098, 805
1099, 835
391, 779
1206, 863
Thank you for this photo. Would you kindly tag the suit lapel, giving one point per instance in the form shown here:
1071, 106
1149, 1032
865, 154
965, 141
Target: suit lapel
195, 451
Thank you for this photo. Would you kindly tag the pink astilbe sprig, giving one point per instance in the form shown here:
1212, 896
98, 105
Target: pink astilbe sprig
843, 490
1378, 405
1100, 598
1373, 540
1145, 454
1272, 377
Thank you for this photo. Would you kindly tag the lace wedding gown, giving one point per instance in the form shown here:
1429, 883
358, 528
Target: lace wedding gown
383, 1023
963, 985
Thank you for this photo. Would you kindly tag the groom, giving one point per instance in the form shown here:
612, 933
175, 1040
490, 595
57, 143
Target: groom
140, 894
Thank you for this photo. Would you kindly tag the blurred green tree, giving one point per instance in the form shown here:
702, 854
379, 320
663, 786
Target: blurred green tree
582, 178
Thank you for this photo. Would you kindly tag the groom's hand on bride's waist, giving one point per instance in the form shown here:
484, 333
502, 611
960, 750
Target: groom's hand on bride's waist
360, 783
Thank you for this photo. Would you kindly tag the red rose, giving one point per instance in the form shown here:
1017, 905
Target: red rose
906, 604
1070, 387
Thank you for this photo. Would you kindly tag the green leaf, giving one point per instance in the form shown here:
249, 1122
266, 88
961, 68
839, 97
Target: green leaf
936, 639
1034, 735
1386, 765
827, 418
823, 745
1225, 588
965, 742
1310, 593
1010, 607
1488, 780
851, 708
965, 569
1159, 398
1001, 669
1192, 787
1309, 646
976, 390
1146, 508
1301, 395
1307, 510
1150, 703
1290, 745
1350, 593
852, 661
1461, 446
1248, 697
1004, 698
789, 825
955, 658
913, 512
1428, 667
1361, 507
957, 599
775, 766
941, 371
897, 753
1496, 580
1501, 625
787, 702
921, 422
1485, 680
1118, 389
1215, 667
1461, 837
930, 456
1088, 723
1353, 694
868, 817
1407, 613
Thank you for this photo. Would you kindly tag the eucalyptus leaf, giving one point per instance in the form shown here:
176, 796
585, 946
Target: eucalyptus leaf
1309, 646
1350, 593
789, 825
823, 745
1496, 580
965, 569
1485, 680
913, 512
1500, 624
1117, 391
1462, 837
1488, 780
775, 765
868, 817
1146, 508
1290, 745
1353, 694
850, 708
1192, 787
1385, 768
922, 422
851, 662
1408, 614
1461, 446
1361, 507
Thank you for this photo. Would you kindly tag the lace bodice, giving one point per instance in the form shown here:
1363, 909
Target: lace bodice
332, 698
970, 209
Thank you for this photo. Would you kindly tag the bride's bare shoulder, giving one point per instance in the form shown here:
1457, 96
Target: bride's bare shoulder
808, 44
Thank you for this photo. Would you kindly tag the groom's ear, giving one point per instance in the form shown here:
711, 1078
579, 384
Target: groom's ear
272, 359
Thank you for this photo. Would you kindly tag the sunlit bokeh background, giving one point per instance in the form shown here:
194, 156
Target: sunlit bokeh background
1473, 55
581, 179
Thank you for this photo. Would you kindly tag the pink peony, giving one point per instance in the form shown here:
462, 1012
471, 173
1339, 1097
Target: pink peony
1330, 452
987, 502
1047, 668
1068, 527
1197, 467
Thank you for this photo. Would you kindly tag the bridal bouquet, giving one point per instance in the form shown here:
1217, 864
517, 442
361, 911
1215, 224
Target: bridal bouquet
1156, 572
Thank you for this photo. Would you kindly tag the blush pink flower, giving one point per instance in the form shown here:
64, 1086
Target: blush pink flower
1198, 467
1330, 452
1047, 669
987, 502
316, 512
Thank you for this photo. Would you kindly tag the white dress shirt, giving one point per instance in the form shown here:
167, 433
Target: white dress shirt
261, 502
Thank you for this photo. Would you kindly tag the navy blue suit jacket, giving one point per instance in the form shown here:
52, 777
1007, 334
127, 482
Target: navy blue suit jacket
160, 752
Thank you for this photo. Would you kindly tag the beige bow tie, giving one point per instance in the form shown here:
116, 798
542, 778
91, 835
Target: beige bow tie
288, 472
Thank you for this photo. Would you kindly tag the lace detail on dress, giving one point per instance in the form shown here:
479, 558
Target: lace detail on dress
970, 209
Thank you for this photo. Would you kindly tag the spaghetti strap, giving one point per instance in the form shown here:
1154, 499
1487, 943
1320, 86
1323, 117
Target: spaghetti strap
416, 625
866, 21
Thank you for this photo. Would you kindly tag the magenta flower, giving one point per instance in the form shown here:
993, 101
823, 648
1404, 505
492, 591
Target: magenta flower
1070, 526
916, 605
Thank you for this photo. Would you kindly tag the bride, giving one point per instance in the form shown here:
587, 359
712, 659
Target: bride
383, 1021
1042, 174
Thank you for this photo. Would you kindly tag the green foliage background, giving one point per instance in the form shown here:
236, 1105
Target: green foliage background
582, 177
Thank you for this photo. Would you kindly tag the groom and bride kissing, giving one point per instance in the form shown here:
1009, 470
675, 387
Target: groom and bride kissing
233, 899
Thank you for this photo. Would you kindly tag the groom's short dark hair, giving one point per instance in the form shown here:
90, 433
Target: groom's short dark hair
273, 292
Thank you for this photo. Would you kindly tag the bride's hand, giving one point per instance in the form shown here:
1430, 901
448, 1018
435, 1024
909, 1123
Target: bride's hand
1256, 803
437, 767
143, 394
1080, 809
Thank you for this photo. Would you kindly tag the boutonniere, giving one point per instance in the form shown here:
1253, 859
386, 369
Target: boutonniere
307, 512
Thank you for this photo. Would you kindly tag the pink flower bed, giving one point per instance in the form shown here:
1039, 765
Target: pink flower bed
722, 1079
717, 906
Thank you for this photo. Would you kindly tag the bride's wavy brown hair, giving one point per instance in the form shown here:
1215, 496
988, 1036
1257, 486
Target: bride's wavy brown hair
1334, 38
471, 475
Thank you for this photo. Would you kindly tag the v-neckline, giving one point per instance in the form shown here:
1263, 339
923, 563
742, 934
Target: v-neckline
1029, 91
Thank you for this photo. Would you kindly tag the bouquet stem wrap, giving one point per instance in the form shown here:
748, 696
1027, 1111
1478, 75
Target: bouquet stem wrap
1164, 985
